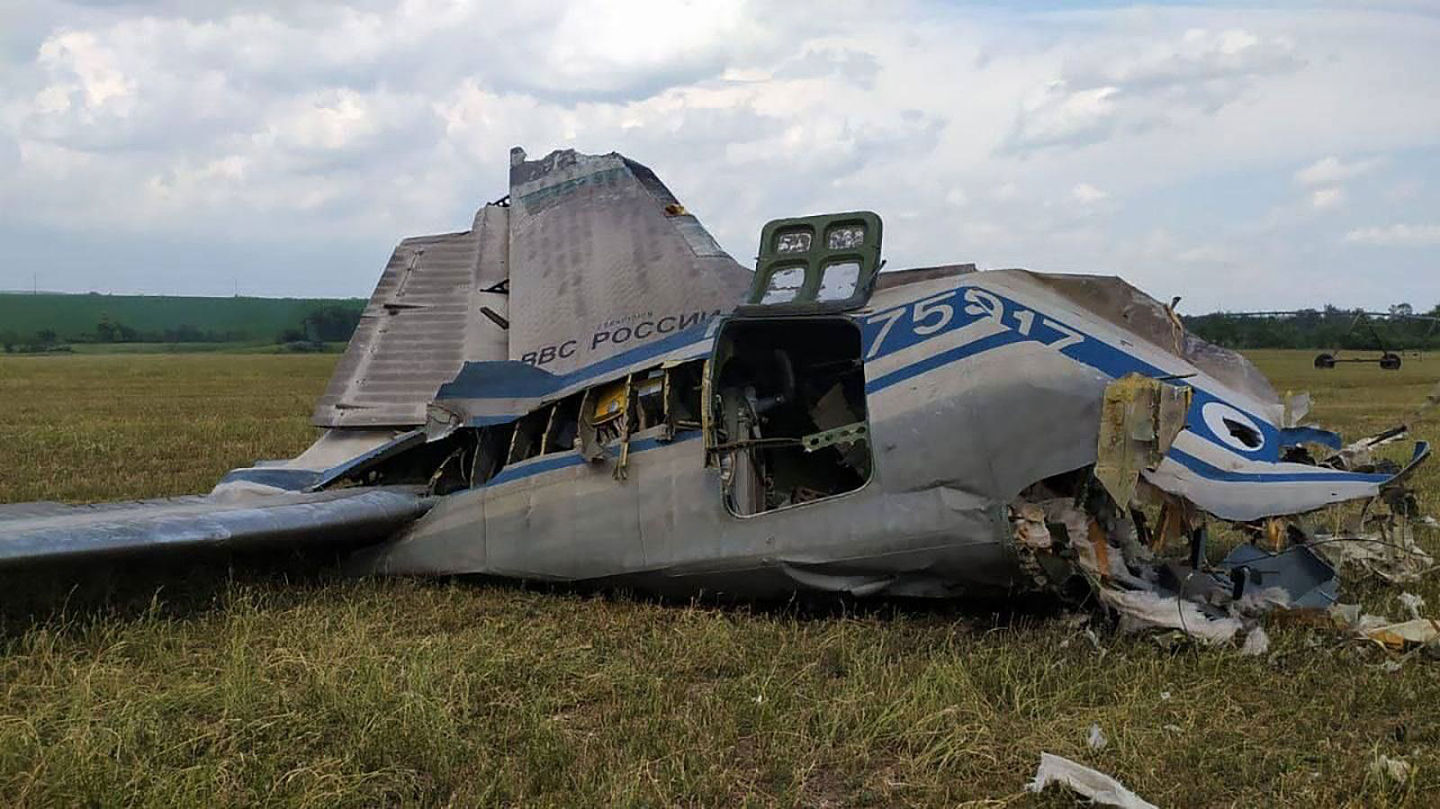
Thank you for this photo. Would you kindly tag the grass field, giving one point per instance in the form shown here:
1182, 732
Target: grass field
225, 684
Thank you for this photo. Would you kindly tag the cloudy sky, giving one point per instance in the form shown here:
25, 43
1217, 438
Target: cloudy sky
1241, 155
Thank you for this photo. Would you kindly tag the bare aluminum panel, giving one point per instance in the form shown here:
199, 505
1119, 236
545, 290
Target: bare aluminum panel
604, 259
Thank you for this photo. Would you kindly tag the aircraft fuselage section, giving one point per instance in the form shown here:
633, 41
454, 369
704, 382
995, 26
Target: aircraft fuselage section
976, 386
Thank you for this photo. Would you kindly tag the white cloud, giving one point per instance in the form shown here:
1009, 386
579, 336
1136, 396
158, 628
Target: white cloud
1326, 198
348, 127
1206, 254
1056, 114
84, 67
607, 44
1399, 235
1117, 83
1332, 170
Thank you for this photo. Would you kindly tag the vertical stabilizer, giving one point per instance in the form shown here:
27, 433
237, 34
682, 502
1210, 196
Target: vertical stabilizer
603, 259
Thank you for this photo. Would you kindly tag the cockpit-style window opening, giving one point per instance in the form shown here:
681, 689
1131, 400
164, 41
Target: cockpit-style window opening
838, 280
529, 434
794, 240
784, 284
847, 236
790, 422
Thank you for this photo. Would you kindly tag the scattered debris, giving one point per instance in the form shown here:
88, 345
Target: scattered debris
1093, 784
1412, 603
1146, 609
1392, 635
1256, 643
1139, 420
1389, 552
1360, 454
1110, 530
1417, 632
1096, 738
1094, 641
1396, 769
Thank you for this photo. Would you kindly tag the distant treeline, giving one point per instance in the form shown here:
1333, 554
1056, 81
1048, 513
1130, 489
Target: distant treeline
46, 321
1328, 328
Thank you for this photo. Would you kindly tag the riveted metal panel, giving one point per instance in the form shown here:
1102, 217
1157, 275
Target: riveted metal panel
604, 259
430, 313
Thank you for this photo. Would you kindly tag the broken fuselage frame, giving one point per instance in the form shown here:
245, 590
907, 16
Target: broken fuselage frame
956, 394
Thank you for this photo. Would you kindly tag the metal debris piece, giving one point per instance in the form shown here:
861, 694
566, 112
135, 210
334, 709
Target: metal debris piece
1147, 609
1361, 454
1139, 419
1394, 768
1389, 552
1297, 407
1415, 632
1381, 630
1088, 783
1306, 580
1412, 603
1256, 643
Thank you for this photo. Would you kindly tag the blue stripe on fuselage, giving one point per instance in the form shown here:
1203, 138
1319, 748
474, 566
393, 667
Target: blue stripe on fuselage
934, 361
910, 324
513, 379
1212, 472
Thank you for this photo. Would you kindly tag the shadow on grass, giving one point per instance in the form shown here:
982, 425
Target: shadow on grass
200, 582
134, 586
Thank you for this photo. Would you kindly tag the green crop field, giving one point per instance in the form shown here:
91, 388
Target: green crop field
222, 683
75, 317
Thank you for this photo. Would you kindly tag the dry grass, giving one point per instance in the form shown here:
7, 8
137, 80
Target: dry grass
78, 428
232, 685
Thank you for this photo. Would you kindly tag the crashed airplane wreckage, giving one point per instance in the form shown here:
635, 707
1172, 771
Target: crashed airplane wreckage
584, 386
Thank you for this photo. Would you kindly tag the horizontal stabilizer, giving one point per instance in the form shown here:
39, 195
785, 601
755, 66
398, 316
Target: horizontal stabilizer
34, 532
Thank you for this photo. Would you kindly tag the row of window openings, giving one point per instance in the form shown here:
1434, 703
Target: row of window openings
607, 413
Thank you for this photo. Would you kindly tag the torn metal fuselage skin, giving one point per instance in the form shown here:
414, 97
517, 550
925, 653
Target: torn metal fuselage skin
978, 385
929, 432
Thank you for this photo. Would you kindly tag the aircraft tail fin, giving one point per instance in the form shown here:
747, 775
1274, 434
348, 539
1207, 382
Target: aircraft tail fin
605, 258
589, 256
